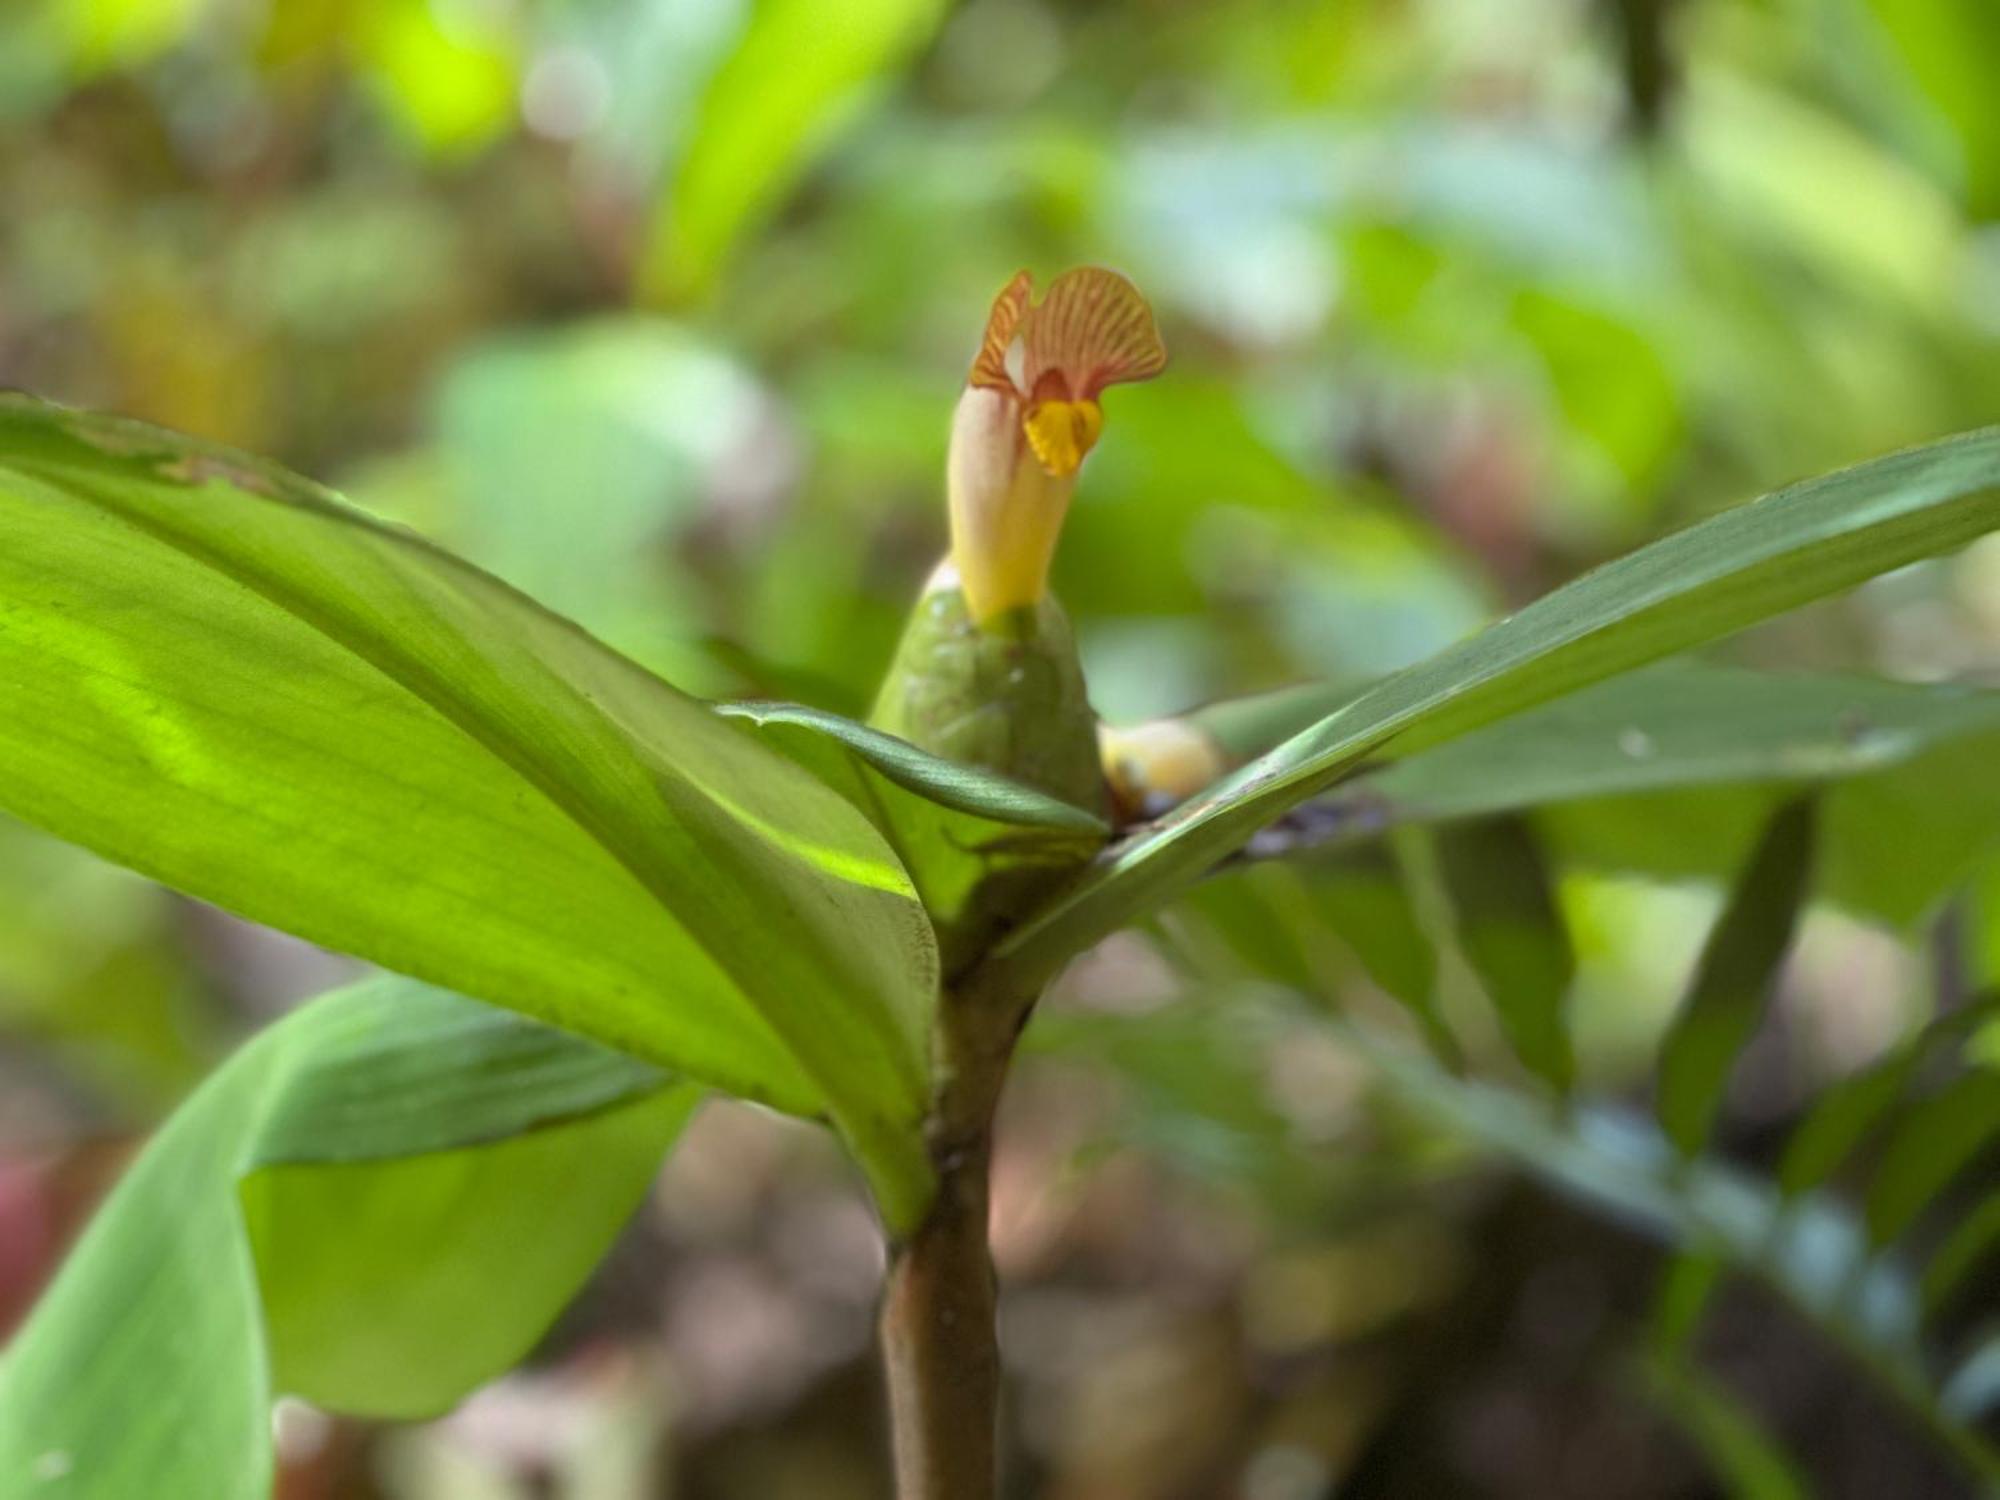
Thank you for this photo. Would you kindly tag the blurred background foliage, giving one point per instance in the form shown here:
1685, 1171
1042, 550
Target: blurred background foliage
658, 309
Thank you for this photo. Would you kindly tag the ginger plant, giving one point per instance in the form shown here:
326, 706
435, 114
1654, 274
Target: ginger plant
604, 898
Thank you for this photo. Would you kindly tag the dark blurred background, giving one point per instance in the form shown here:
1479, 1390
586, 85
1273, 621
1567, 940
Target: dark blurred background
658, 308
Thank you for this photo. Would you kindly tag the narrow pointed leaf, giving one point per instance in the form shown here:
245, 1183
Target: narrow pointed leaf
1294, 923
377, 1204
1511, 932
219, 674
797, 73
1847, 1112
1810, 1251
975, 844
1816, 538
1972, 1241
1734, 979
1669, 772
1686, 1290
1936, 1141
1366, 899
1747, 1460
1682, 724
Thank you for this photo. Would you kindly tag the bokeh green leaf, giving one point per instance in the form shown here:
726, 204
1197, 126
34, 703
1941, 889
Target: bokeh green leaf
1509, 926
1736, 976
797, 74
377, 1204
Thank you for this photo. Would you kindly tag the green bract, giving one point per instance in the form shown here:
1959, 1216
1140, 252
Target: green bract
1007, 696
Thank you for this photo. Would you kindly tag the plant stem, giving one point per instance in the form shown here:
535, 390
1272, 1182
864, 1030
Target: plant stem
940, 1350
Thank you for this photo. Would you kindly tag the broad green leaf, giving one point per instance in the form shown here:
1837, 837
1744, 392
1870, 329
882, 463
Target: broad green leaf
973, 842
377, 1204
1511, 932
1734, 979
222, 676
798, 73
364, 1315
1799, 544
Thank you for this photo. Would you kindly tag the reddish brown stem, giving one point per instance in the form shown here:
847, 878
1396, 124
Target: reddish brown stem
939, 1348
940, 1351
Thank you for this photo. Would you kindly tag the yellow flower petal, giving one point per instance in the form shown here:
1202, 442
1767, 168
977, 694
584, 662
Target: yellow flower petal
1062, 432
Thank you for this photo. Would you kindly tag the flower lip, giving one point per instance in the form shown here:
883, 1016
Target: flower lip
1091, 329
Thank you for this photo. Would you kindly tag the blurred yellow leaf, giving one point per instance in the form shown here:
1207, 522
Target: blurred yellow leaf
106, 34
799, 73
445, 73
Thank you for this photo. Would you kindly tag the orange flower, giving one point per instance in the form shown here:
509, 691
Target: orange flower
1017, 440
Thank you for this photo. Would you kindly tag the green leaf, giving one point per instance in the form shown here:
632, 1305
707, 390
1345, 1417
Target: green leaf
1936, 1141
973, 842
1846, 1112
1670, 770
1278, 922
1258, 920
1678, 725
1735, 978
1192, 1078
1970, 1241
1367, 901
1813, 1252
1745, 1458
797, 75
1682, 1299
1799, 544
1946, 44
222, 676
1809, 1251
377, 1204
1511, 932
947, 784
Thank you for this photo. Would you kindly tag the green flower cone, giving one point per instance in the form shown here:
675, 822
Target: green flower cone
1006, 696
